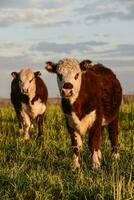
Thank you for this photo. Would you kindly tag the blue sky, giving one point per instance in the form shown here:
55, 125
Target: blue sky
35, 31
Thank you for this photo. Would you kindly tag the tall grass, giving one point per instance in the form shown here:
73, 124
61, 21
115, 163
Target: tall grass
41, 169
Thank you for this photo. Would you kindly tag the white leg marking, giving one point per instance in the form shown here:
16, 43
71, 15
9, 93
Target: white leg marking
116, 155
78, 139
26, 125
104, 121
96, 159
79, 146
32, 126
76, 162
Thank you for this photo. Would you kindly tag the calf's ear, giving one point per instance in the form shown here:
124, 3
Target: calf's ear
15, 74
51, 67
85, 64
38, 73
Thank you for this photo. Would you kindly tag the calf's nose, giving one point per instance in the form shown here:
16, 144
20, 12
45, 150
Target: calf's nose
67, 85
24, 90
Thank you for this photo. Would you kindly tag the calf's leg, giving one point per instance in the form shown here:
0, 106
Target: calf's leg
40, 124
76, 145
26, 125
113, 136
94, 142
20, 119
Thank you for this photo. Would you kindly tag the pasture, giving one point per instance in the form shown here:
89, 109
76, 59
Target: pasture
41, 169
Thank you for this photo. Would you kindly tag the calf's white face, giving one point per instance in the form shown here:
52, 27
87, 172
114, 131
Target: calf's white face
69, 78
27, 82
26, 78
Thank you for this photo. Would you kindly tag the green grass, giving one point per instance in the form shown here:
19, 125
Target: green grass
41, 169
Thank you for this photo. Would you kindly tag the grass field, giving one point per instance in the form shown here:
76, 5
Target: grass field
41, 169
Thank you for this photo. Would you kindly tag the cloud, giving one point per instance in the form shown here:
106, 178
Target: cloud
15, 63
120, 64
125, 49
11, 48
45, 13
121, 50
14, 3
51, 23
32, 3
9, 45
111, 15
101, 35
34, 16
107, 10
66, 47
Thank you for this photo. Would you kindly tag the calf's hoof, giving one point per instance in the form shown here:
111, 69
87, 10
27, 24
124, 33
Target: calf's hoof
26, 137
116, 155
96, 159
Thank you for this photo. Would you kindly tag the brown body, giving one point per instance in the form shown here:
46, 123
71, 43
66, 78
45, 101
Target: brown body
96, 105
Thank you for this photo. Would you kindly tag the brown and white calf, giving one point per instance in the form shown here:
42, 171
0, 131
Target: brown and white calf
91, 97
29, 97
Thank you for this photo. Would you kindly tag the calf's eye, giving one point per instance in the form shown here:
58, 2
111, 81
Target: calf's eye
30, 80
76, 76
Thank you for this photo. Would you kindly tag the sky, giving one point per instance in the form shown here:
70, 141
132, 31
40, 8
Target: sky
33, 32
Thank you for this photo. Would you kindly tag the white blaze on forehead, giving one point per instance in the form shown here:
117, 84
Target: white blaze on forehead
69, 67
26, 74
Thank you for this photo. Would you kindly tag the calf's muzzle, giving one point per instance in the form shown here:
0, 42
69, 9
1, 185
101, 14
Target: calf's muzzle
67, 89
